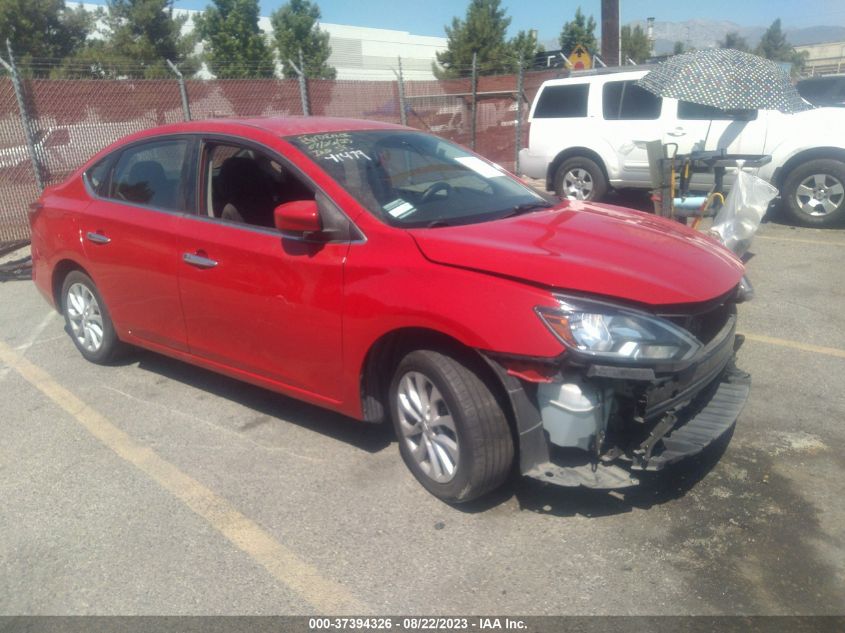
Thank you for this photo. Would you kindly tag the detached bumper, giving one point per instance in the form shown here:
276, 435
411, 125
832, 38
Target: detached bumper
691, 434
641, 422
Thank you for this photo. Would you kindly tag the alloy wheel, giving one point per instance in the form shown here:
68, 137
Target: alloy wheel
820, 194
577, 184
428, 428
85, 317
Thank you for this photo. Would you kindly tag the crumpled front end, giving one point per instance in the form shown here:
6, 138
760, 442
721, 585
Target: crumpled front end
595, 420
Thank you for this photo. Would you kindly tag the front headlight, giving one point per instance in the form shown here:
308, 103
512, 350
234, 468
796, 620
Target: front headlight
616, 333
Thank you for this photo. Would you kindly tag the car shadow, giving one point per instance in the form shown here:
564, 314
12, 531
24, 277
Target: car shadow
673, 482
530, 495
371, 438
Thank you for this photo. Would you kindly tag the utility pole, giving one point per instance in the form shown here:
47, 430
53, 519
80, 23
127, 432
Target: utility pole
610, 35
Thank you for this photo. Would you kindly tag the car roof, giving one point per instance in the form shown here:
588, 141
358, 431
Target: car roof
280, 126
596, 77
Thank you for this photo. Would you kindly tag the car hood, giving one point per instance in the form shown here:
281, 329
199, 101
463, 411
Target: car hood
592, 248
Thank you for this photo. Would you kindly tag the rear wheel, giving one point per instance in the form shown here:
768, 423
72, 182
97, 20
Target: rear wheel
453, 434
87, 319
814, 192
580, 178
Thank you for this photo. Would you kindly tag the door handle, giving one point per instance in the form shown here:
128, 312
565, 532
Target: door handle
678, 131
97, 238
194, 259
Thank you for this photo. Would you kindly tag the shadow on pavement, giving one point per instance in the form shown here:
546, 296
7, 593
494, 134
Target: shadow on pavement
667, 485
371, 438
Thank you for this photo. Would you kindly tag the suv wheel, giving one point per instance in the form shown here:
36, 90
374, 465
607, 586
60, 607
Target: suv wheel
452, 432
580, 178
814, 192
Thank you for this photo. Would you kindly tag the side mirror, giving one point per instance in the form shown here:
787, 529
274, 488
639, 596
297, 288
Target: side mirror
301, 217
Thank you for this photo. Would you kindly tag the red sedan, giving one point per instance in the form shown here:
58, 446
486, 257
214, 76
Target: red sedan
388, 274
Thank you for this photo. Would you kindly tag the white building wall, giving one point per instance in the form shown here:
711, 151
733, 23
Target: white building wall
359, 52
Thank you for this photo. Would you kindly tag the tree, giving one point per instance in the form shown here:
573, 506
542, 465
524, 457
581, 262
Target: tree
524, 48
678, 48
735, 41
579, 31
295, 28
145, 32
482, 32
774, 45
235, 45
43, 28
635, 43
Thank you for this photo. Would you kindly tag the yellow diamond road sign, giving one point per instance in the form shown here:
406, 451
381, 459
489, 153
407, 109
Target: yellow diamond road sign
580, 58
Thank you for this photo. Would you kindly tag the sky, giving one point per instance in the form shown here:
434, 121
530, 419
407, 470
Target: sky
428, 17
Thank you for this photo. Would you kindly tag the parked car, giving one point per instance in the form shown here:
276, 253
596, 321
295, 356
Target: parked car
388, 274
823, 91
588, 133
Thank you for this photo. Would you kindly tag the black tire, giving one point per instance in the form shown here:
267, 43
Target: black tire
594, 176
484, 443
831, 172
109, 347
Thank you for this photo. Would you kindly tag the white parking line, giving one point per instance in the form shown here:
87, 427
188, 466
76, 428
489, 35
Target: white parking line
30, 340
323, 594
804, 347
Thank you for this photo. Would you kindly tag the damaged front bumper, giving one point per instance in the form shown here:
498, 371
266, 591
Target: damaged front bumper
598, 425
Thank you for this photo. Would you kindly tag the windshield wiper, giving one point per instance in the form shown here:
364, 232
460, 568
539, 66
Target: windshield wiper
437, 223
527, 207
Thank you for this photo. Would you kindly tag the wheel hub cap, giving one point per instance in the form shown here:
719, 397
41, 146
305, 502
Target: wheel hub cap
427, 426
85, 317
820, 194
577, 184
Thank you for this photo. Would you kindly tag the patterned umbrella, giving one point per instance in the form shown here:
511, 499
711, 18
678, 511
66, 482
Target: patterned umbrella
726, 79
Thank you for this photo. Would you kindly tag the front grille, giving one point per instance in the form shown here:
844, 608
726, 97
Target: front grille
705, 324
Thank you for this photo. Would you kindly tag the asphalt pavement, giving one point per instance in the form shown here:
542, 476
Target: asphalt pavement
153, 487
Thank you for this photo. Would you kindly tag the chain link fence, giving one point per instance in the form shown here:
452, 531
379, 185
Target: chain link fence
71, 119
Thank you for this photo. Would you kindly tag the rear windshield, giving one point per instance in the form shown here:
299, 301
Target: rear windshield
413, 179
569, 101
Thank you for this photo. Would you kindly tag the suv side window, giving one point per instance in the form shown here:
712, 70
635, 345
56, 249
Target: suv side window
150, 174
568, 101
698, 112
625, 100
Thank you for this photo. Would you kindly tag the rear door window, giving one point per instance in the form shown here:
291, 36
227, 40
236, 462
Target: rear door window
625, 100
151, 174
697, 112
568, 101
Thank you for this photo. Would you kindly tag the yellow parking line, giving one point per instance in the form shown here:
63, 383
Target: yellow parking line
774, 238
324, 595
804, 347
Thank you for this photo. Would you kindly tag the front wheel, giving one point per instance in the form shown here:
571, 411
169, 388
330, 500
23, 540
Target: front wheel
580, 178
453, 434
87, 319
814, 192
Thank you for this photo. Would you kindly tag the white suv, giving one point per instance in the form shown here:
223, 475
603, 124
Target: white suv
588, 134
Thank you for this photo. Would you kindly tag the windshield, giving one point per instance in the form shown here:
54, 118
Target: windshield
412, 179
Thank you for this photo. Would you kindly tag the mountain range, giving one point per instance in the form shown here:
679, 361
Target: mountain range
707, 33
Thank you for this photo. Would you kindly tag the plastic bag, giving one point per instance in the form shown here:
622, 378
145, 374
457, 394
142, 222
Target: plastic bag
746, 204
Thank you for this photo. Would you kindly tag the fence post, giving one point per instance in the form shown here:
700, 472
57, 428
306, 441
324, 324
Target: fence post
303, 84
183, 91
12, 69
520, 83
474, 98
403, 115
